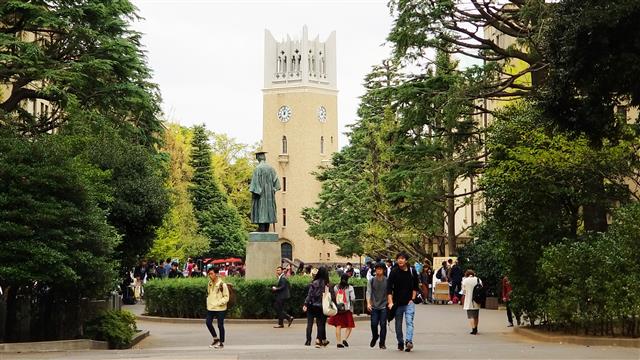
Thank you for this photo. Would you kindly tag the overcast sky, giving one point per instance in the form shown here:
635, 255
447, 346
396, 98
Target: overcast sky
207, 55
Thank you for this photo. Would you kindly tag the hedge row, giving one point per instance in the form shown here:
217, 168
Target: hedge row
186, 298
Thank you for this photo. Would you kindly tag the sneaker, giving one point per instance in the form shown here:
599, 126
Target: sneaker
345, 343
307, 343
219, 346
340, 346
215, 341
289, 321
510, 325
325, 343
401, 347
373, 342
318, 344
408, 346
382, 347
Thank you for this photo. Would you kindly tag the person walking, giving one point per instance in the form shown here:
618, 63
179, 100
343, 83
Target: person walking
426, 278
402, 288
195, 271
217, 299
506, 299
473, 308
313, 307
377, 305
345, 295
455, 275
281, 292
175, 272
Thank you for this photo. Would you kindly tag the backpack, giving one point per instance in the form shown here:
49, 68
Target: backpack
479, 293
232, 294
341, 300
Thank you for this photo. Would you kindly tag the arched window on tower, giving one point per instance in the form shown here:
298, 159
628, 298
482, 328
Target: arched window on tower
284, 145
321, 144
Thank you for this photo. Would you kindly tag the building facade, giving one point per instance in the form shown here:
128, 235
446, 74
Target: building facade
300, 133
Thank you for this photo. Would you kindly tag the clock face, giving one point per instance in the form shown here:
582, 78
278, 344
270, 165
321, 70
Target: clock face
284, 113
322, 114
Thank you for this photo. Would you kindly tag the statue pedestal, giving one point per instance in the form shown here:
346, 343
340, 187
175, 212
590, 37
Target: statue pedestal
263, 255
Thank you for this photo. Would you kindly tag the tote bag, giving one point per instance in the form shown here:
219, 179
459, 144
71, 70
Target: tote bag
329, 308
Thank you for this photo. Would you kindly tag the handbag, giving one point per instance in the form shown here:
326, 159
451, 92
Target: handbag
329, 308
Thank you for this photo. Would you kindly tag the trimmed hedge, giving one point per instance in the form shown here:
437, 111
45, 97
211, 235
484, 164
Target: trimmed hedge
186, 298
114, 326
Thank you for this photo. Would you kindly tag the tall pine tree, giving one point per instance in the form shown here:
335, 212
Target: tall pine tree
218, 220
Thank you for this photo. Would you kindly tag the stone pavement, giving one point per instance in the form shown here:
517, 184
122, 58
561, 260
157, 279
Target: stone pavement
441, 333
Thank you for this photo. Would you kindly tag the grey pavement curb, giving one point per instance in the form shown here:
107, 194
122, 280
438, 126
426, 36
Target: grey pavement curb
138, 337
62, 345
228, 321
578, 340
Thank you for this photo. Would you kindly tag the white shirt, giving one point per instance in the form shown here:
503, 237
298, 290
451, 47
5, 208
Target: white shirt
468, 284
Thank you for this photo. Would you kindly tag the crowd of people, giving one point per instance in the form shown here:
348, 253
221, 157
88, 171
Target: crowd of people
393, 290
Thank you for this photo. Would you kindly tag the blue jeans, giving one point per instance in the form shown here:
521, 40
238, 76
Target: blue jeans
407, 311
379, 317
219, 315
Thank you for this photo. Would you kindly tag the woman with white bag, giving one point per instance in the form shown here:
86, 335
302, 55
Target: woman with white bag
319, 295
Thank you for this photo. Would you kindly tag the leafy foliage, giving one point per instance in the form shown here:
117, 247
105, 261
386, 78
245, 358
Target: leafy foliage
186, 297
52, 228
218, 220
178, 236
115, 326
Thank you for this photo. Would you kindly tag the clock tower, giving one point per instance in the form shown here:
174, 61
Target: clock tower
300, 133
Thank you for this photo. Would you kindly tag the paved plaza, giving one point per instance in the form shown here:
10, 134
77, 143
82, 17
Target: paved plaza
441, 333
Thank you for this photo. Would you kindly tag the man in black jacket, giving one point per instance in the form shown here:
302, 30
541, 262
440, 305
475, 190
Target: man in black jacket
402, 288
281, 292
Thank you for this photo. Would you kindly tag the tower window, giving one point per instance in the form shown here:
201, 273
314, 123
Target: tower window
284, 217
284, 145
284, 184
321, 144
332, 139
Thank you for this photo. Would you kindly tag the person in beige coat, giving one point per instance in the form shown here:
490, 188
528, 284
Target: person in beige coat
217, 299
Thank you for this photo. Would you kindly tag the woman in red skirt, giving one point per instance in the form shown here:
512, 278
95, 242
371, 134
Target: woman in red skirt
344, 318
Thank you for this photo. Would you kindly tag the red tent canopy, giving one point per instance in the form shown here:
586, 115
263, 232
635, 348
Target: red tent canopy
222, 261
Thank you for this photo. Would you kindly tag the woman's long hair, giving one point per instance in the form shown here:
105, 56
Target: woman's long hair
344, 281
323, 275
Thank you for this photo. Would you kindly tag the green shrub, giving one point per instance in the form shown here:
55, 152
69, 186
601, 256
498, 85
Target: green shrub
187, 298
114, 326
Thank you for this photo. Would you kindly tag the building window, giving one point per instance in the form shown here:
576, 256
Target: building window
284, 184
284, 217
321, 144
286, 251
332, 139
284, 145
328, 256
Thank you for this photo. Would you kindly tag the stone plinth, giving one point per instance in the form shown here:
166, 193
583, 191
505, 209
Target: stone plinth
263, 255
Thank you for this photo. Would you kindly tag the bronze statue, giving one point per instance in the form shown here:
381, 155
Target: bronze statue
264, 184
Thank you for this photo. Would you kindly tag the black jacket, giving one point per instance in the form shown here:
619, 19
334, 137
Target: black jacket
282, 289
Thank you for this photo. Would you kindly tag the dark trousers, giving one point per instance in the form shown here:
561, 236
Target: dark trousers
220, 316
510, 314
279, 306
315, 312
379, 318
454, 290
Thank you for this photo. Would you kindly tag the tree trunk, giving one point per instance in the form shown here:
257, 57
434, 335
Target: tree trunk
451, 217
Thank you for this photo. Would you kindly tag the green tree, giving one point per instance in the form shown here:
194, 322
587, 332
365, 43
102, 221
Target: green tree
535, 193
178, 236
80, 54
233, 165
352, 186
218, 220
52, 230
436, 145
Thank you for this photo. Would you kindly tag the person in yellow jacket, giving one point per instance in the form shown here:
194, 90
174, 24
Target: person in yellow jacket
217, 299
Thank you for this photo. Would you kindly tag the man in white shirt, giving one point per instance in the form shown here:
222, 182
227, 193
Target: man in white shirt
473, 308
